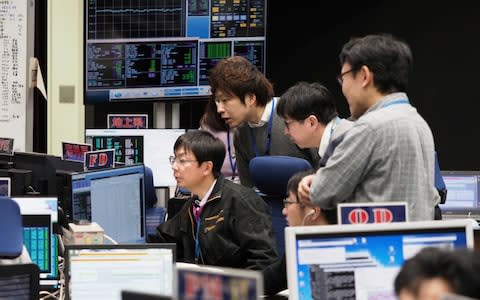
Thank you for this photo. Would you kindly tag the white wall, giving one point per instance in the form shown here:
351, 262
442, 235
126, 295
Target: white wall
65, 121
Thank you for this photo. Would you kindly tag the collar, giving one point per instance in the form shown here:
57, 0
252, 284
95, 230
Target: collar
327, 135
390, 97
265, 116
207, 194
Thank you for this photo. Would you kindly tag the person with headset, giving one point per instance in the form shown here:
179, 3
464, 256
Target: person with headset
297, 214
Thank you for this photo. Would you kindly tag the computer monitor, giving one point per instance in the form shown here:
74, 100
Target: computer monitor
463, 194
42, 166
151, 147
361, 261
40, 217
156, 50
5, 187
103, 271
114, 199
214, 282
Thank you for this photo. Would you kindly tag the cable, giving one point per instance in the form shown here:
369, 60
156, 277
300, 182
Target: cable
110, 239
311, 212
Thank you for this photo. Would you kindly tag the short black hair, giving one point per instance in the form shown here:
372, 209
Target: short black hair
305, 99
459, 268
388, 58
204, 146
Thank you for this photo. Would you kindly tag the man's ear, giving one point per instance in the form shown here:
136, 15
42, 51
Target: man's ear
251, 99
207, 167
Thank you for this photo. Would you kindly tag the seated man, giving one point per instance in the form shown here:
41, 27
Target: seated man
297, 214
433, 272
228, 225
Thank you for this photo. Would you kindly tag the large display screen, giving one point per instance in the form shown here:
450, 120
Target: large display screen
153, 50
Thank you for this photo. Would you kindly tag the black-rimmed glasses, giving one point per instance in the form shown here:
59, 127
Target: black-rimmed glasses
181, 161
340, 76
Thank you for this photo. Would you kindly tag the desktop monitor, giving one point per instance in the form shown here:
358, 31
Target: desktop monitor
5, 187
151, 147
104, 271
157, 50
361, 261
40, 217
42, 166
463, 194
213, 282
114, 199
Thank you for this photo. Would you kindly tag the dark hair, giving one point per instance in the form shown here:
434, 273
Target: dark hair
389, 58
238, 77
204, 146
211, 118
305, 99
459, 268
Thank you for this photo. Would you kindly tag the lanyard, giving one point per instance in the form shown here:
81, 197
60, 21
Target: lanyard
396, 102
197, 242
269, 134
233, 164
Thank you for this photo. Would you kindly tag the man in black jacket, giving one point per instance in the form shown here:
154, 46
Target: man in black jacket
224, 224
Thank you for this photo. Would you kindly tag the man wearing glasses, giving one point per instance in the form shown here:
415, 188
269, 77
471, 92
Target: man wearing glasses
297, 214
388, 154
311, 118
225, 224
244, 100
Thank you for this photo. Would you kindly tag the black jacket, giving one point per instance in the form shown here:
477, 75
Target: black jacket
235, 229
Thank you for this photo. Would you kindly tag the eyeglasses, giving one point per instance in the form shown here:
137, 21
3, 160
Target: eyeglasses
340, 76
180, 161
287, 202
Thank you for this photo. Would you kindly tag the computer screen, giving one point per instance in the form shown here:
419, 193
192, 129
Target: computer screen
463, 193
103, 271
151, 147
114, 199
153, 50
361, 261
40, 217
214, 282
5, 187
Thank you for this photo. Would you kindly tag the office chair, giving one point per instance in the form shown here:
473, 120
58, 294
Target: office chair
11, 244
270, 175
150, 194
441, 188
19, 281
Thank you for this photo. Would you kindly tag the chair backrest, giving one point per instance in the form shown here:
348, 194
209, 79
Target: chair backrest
270, 174
19, 281
11, 243
439, 182
150, 194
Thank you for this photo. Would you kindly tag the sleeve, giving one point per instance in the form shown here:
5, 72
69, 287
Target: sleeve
275, 276
254, 231
336, 182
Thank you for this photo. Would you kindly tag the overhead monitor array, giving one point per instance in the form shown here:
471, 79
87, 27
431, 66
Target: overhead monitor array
161, 50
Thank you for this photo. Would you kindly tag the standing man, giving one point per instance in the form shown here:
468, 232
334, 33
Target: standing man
228, 224
388, 154
244, 99
310, 116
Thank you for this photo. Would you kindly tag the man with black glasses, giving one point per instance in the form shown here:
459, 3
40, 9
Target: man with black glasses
388, 154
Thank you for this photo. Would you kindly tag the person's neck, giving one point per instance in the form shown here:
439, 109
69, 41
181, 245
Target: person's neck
257, 114
202, 188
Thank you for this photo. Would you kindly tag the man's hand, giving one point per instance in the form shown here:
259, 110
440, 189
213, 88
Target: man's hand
304, 190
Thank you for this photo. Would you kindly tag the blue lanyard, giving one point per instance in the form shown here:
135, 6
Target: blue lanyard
269, 134
233, 164
396, 102
197, 242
